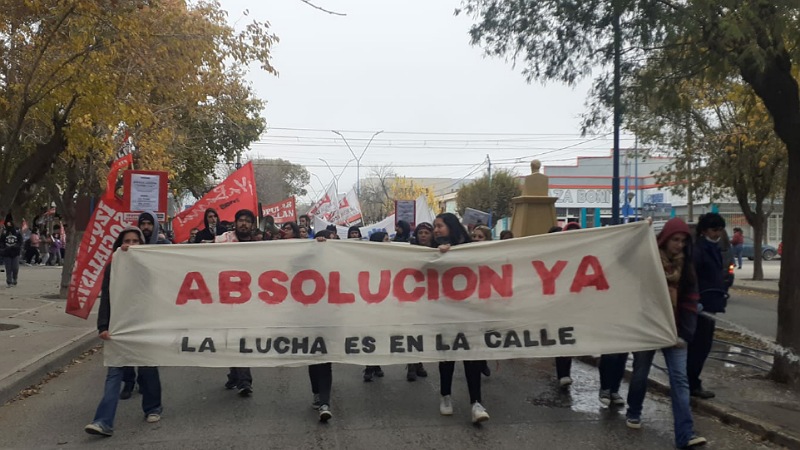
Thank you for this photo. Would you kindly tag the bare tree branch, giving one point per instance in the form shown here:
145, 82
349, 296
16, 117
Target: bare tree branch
307, 2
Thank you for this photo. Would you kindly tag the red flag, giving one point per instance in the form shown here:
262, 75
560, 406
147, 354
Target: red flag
283, 211
238, 191
95, 249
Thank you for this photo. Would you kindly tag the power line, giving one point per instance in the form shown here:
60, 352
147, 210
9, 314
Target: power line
432, 133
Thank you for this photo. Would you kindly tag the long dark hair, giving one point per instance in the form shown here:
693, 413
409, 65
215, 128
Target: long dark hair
458, 234
295, 229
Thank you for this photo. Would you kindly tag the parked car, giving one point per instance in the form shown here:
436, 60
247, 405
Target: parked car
767, 251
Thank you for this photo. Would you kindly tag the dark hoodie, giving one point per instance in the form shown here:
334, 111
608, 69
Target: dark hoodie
10, 240
405, 234
686, 308
207, 234
154, 239
104, 314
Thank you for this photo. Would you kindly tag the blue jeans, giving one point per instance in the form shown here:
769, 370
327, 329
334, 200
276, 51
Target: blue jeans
737, 253
678, 390
149, 386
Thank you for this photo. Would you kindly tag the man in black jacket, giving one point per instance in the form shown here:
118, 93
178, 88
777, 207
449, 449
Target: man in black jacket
10, 249
713, 297
212, 229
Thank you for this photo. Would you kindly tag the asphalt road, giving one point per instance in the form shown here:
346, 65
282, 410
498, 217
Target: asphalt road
754, 311
527, 411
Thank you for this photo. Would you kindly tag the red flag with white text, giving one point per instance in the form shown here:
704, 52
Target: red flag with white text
236, 192
282, 211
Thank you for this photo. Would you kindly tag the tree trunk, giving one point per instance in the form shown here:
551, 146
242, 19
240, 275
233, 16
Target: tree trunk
74, 238
784, 370
758, 239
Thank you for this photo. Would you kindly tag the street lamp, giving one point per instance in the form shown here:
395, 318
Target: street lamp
357, 158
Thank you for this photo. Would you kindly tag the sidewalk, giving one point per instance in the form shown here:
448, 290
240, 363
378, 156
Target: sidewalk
36, 335
744, 278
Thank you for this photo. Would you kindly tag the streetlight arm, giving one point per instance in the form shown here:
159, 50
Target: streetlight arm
370, 142
346, 143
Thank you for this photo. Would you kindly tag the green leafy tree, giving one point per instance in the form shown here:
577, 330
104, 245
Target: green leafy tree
505, 185
708, 40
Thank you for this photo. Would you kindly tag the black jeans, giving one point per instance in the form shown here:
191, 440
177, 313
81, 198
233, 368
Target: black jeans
698, 350
321, 376
150, 387
472, 369
612, 369
241, 376
563, 366
129, 376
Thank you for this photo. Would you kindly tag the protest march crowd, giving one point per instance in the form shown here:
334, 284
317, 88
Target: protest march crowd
692, 266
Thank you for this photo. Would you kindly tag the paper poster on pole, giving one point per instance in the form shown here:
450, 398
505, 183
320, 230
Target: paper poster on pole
474, 217
406, 210
145, 190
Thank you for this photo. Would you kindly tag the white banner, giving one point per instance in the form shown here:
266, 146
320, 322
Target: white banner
349, 210
299, 302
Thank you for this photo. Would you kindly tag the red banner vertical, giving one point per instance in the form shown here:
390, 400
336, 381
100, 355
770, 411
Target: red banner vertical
236, 192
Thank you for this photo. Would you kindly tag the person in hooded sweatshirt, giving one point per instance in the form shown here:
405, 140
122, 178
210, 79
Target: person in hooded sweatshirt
212, 229
149, 226
675, 249
402, 231
240, 378
713, 296
149, 381
10, 249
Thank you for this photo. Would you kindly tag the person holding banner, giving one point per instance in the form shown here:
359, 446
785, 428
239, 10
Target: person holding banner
375, 371
149, 381
290, 230
402, 231
212, 229
354, 232
423, 235
447, 232
240, 378
321, 375
674, 245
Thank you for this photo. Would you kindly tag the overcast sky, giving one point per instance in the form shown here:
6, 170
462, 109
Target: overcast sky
407, 68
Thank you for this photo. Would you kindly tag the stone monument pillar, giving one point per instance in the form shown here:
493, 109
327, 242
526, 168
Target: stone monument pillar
534, 212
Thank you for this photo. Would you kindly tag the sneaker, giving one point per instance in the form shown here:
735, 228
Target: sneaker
479, 413
617, 399
605, 397
633, 423
127, 391
446, 406
245, 390
695, 441
486, 371
421, 372
316, 403
153, 418
369, 372
98, 429
564, 382
230, 384
325, 413
411, 372
379, 372
702, 393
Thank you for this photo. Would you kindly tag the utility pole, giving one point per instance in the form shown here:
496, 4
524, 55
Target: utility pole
617, 111
357, 158
491, 197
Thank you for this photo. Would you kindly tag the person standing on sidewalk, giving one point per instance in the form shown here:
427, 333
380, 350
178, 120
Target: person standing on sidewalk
149, 380
33, 248
713, 296
10, 248
240, 378
676, 259
737, 242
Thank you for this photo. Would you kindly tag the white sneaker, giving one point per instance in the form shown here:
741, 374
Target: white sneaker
617, 399
565, 381
479, 413
325, 413
153, 418
446, 406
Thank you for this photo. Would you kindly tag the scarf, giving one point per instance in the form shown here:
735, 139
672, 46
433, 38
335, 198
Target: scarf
672, 270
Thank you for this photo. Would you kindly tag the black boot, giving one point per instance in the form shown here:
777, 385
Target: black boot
421, 372
127, 391
411, 372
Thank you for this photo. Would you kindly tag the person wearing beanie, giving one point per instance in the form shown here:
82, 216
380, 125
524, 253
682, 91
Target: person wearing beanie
423, 235
149, 380
240, 378
334, 232
713, 296
675, 250
354, 232
10, 249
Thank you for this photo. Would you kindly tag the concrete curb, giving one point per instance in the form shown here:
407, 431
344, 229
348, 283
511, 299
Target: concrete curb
755, 289
762, 429
56, 359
